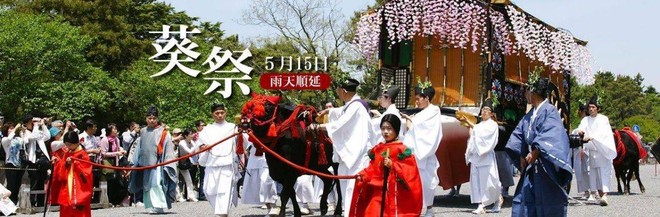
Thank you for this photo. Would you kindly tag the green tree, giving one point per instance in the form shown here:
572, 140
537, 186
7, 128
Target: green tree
179, 96
621, 97
577, 98
43, 68
650, 90
281, 47
624, 100
145, 16
649, 126
315, 28
639, 79
57, 53
104, 20
119, 28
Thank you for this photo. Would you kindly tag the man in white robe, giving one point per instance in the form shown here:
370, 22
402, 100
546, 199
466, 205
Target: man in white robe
480, 155
304, 193
581, 163
385, 100
258, 187
221, 162
423, 137
597, 131
349, 128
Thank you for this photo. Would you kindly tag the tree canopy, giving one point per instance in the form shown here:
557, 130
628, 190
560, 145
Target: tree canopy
624, 100
76, 60
43, 68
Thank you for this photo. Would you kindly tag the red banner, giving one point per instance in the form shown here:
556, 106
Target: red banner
295, 81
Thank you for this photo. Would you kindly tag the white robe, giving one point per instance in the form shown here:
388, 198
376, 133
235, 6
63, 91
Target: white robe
480, 154
221, 162
6, 206
304, 189
349, 128
424, 138
601, 150
377, 137
258, 187
581, 168
318, 190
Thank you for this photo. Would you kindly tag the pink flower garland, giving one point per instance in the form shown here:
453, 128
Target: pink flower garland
501, 33
462, 24
556, 49
367, 36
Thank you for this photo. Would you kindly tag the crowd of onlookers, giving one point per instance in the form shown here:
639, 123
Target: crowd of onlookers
27, 145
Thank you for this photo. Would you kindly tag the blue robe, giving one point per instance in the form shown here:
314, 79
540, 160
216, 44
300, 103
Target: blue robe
145, 181
540, 189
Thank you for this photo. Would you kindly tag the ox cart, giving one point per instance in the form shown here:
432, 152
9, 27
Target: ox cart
468, 60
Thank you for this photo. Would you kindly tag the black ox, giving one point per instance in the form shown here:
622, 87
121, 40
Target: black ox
281, 127
626, 163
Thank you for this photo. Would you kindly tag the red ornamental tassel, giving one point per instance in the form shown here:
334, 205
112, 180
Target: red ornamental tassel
308, 153
294, 131
302, 125
239, 145
272, 131
322, 159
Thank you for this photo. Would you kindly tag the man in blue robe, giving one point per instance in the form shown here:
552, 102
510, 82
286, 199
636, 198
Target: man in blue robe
539, 144
158, 185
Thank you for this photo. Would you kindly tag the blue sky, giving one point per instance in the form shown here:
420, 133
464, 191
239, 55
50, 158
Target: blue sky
622, 35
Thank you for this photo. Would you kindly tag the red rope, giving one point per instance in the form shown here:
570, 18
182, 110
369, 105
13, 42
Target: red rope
300, 168
252, 136
159, 164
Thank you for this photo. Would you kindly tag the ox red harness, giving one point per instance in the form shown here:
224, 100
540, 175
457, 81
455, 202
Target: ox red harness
621, 148
292, 123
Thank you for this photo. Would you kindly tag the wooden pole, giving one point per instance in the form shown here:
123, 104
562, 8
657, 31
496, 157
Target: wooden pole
489, 43
460, 99
428, 56
386, 173
444, 79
